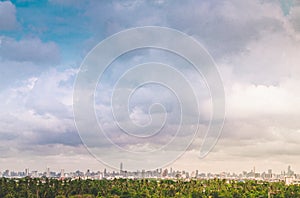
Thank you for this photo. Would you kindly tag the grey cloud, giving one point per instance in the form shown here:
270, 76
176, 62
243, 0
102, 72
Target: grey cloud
258, 150
7, 16
294, 17
247, 38
70, 138
263, 56
225, 28
29, 50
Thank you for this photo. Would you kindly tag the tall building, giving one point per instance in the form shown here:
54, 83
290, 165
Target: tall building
121, 167
290, 172
104, 173
88, 173
62, 173
270, 173
48, 172
6, 173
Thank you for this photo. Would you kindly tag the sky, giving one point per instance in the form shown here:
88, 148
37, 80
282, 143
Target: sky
254, 44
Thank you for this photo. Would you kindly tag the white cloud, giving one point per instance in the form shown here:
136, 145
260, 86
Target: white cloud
252, 101
254, 44
38, 113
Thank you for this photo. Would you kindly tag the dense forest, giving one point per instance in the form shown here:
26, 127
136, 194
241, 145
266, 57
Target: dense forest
53, 188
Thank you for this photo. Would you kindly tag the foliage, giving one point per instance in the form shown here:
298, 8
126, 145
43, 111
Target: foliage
125, 188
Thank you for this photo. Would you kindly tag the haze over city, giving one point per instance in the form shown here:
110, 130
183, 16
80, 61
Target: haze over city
254, 44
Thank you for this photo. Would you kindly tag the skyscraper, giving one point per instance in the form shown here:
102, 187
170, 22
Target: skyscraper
121, 168
290, 172
62, 173
48, 172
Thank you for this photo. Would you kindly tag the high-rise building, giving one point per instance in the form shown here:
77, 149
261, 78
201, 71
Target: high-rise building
143, 173
290, 172
62, 173
121, 167
6, 173
270, 173
48, 172
88, 173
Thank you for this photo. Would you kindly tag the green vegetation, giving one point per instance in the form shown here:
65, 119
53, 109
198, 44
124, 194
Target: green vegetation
126, 188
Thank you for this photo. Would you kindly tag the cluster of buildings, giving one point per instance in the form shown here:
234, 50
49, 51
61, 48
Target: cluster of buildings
289, 176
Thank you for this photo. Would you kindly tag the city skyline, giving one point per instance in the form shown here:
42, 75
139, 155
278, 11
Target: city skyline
254, 45
285, 171
288, 176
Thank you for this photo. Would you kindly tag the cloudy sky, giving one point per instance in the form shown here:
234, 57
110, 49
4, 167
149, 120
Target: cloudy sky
255, 45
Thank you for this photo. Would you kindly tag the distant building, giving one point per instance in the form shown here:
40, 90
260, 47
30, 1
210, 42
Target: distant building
121, 167
48, 172
165, 173
290, 172
62, 173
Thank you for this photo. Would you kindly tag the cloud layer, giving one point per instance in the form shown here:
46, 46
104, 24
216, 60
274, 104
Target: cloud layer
255, 45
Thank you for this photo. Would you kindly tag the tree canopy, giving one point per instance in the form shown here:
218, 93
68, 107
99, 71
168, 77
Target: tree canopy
128, 188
